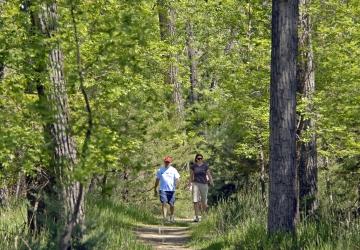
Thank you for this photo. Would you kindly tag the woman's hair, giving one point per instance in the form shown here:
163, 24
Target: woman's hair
196, 156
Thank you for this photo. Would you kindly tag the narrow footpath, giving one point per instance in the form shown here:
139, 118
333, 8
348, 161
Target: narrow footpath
166, 236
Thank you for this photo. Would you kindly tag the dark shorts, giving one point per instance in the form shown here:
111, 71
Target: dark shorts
167, 197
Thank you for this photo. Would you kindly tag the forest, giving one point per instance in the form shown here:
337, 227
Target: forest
95, 93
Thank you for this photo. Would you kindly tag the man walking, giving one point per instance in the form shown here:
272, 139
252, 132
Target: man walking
168, 177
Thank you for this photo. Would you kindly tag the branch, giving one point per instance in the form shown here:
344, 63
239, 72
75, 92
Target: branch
82, 88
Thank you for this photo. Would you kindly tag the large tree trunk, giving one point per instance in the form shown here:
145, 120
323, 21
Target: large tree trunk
3, 191
283, 188
307, 153
167, 34
192, 62
64, 155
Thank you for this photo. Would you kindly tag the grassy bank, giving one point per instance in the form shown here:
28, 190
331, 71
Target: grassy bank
109, 225
241, 224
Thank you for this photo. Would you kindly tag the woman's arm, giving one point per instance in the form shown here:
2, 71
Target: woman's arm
208, 173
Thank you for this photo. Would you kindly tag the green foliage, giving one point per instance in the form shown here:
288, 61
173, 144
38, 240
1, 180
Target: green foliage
241, 224
11, 224
109, 225
337, 76
124, 62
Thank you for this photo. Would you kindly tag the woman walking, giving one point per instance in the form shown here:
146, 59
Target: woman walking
200, 178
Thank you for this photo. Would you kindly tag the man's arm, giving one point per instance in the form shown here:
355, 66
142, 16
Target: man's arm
177, 178
156, 185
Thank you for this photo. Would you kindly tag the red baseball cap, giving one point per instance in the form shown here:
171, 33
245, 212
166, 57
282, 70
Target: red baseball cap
168, 159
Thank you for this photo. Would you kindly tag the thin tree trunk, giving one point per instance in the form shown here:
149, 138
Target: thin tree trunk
249, 32
92, 185
38, 186
230, 45
2, 71
358, 200
19, 184
262, 173
192, 62
282, 173
3, 191
167, 18
307, 155
125, 192
328, 190
227, 50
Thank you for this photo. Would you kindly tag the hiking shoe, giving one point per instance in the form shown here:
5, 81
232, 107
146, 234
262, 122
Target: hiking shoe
172, 219
196, 219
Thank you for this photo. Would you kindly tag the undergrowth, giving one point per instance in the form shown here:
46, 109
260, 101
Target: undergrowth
241, 224
109, 225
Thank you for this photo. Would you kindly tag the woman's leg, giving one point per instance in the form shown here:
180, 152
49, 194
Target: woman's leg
196, 209
204, 188
196, 200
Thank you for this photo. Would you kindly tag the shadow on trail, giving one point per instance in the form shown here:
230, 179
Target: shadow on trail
215, 246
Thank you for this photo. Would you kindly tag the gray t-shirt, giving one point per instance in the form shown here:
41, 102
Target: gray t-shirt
200, 172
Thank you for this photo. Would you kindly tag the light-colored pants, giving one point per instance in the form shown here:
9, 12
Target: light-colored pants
200, 192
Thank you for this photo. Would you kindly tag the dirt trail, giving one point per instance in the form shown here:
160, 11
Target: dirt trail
163, 237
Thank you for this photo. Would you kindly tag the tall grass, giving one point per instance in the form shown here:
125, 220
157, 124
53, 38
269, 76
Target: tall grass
12, 225
241, 224
109, 225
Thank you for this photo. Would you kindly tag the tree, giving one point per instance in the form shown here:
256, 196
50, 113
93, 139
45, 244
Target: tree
2, 68
69, 193
191, 52
282, 170
307, 152
167, 26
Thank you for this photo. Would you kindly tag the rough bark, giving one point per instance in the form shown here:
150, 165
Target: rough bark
3, 191
167, 34
307, 152
191, 52
282, 172
77, 213
63, 148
